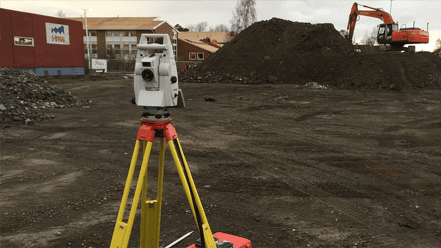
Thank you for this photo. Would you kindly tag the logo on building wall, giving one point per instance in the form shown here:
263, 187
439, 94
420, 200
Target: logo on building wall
57, 34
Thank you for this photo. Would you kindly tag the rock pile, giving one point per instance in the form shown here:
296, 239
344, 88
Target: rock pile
22, 94
283, 52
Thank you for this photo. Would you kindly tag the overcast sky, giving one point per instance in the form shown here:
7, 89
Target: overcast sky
220, 12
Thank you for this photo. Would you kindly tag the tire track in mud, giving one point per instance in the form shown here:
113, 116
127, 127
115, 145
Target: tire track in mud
306, 187
302, 184
310, 188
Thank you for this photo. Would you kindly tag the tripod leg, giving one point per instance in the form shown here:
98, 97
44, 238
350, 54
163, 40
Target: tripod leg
151, 210
192, 194
121, 233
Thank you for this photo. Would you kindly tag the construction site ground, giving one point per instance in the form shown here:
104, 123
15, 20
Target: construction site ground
281, 165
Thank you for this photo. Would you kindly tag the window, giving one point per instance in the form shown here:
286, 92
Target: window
200, 56
192, 56
158, 40
109, 47
125, 33
84, 32
94, 47
126, 49
108, 33
116, 33
23, 41
117, 46
133, 33
381, 30
133, 49
92, 33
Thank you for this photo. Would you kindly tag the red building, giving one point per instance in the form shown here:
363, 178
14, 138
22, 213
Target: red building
194, 47
45, 45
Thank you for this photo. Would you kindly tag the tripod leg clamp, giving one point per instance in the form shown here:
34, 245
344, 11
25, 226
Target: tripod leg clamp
147, 130
170, 132
146, 133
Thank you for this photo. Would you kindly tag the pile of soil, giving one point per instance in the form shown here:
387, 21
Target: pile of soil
23, 93
283, 52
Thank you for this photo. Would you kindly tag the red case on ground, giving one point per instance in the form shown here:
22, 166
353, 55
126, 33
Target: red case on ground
238, 242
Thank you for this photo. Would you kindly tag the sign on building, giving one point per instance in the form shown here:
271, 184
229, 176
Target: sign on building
99, 65
57, 34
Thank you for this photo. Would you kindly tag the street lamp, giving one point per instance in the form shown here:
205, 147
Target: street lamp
87, 36
390, 12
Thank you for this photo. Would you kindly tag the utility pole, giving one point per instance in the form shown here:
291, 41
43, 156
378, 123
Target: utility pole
87, 36
390, 12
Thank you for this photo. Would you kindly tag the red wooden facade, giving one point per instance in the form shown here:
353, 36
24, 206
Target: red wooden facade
41, 56
186, 49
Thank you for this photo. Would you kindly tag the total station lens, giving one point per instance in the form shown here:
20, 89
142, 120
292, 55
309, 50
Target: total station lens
147, 75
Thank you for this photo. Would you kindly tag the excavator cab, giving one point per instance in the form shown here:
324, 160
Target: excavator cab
385, 30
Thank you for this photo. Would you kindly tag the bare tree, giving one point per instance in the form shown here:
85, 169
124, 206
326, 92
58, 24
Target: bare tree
244, 15
191, 27
61, 14
202, 27
219, 28
371, 37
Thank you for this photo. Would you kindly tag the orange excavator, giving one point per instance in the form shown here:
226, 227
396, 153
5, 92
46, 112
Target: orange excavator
388, 32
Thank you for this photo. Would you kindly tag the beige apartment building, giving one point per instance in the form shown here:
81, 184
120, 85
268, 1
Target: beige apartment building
117, 37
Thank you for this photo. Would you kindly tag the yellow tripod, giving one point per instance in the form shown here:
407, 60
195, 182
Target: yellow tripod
151, 209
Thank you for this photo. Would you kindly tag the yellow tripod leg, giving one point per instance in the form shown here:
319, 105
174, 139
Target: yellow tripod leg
151, 210
121, 233
191, 192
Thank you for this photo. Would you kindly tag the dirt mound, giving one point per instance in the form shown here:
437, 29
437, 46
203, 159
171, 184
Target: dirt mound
285, 52
22, 94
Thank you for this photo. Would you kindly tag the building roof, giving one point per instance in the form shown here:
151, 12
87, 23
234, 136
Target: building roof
201, 45
218, 36
120, 23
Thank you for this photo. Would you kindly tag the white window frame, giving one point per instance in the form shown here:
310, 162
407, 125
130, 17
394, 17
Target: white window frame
203, 55
189, 55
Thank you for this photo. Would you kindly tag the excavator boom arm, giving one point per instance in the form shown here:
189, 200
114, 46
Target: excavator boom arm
376, 13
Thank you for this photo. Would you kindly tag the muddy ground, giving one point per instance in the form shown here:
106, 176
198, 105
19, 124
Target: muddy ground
281, 165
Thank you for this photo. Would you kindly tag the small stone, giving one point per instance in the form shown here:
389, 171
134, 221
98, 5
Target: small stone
17, 118
272, 79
